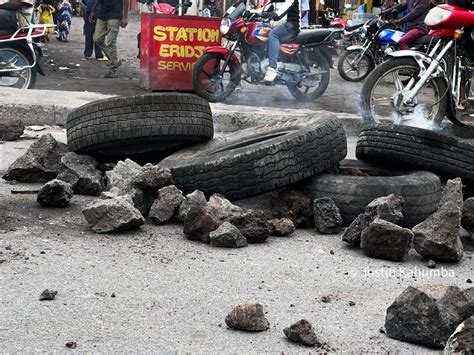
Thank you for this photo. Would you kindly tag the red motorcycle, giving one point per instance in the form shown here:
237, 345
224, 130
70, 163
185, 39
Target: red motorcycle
305, 61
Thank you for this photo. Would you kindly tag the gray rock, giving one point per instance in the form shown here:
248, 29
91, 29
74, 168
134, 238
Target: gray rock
11, 129
437, 237
426, 314
468, 214
352, 233
113, 215
196, 198
199, 222
431, 264
469, 293
81, 172
227, 236
223, 209
153, 177
168, 200
39, 163
281, 226
249, 317
302, 332
296, 206
464, 234
462, 340
253, 225
327, 217
48, 295
386, 240
55, 193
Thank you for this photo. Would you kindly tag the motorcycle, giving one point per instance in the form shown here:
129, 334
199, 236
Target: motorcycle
413, 84
304, 68
19, 56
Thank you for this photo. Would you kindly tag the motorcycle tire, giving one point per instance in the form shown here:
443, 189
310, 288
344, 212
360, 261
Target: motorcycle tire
123, 126
421, 190
310, 96
260, 162
26, 57
199, 69
343, 58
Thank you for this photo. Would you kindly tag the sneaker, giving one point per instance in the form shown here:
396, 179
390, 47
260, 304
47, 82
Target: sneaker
102, 59
111, 74
270, 75
112, 66
87, 57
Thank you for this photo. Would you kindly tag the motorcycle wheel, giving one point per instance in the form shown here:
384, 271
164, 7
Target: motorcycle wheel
359, 73
311, 93
206, 80
387, 80
21, 79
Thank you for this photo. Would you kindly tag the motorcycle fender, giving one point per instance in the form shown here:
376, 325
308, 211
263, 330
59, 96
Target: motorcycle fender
224, 52
39, 53
355, 47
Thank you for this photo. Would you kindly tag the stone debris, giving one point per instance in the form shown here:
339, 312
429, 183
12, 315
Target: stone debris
437, 237
153, 177
281, 226
468, 214
223, 209
386, 240
55, 193
426, 314
199, 222
327, 217
11, 129
296, 206
253, 225
431, 264
462, 340
40, 163
48, 295
352, 233
71, 345
196, 198
249, 317
302, 332
113, 215
227, 236
166, 204
81, 172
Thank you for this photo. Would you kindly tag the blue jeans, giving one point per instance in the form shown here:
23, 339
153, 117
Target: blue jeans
284, 32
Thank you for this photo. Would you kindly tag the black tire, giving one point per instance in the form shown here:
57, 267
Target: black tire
27, 57
421, 190
310, 96
340, 65
446, 155
261, 162
123, 126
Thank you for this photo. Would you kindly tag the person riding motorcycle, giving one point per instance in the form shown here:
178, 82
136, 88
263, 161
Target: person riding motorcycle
15, 13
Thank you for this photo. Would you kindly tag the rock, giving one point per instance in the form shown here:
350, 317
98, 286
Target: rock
106, 166
302, 332
55, 193
468, 214
437, 237
281, 227
426, 314
431, 264
71, 345
227, 236
296, 206
464, 234
388, 208
327, 217
199, 222
39, 163
153, 177
249, 317
386, 240
223, 209
113, 215
168, 200
81, 172
196, 198
11, 129
462, 340
253, 225
469, 293
48, 295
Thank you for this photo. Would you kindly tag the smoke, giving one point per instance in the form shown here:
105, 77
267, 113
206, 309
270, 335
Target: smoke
418, 118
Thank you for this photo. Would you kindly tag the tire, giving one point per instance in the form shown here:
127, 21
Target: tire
421, 190
123, 126
342, 59
25, 56
378, 73
199, 68
261, 162
446, 155
320, 90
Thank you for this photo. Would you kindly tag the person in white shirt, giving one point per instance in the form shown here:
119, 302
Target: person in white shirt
304, 9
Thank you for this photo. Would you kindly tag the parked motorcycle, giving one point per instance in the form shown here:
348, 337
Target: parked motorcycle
19, 56
304, 68
413, 84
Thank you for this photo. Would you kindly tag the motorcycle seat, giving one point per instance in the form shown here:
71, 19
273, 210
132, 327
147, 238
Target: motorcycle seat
312, 36
7, 31
423, 40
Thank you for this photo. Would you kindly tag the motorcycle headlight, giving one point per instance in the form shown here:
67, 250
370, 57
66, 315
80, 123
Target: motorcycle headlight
436, 16
225, 25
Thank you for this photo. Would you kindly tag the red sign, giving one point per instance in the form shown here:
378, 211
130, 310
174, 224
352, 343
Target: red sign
170, 45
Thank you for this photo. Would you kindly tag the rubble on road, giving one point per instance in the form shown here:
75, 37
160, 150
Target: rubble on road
113, 215
327, 217
164, 208
81, 172
199, 222
48, 295
223, 209
153, 177
196, 198
437, 237
40, 162
11, 129
296, 206
426, 314
55, 193
249, 317
302, 332
281, 226
467, 220
227, 236
462, 340
385, 240
253, 225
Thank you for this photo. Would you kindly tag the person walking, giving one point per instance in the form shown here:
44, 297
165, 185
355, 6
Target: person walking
64, 20
89, 29
112, 15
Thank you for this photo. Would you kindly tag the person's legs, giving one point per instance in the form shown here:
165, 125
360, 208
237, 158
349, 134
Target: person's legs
113, 27
89, 38
99, 35
410, 37
280, 33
